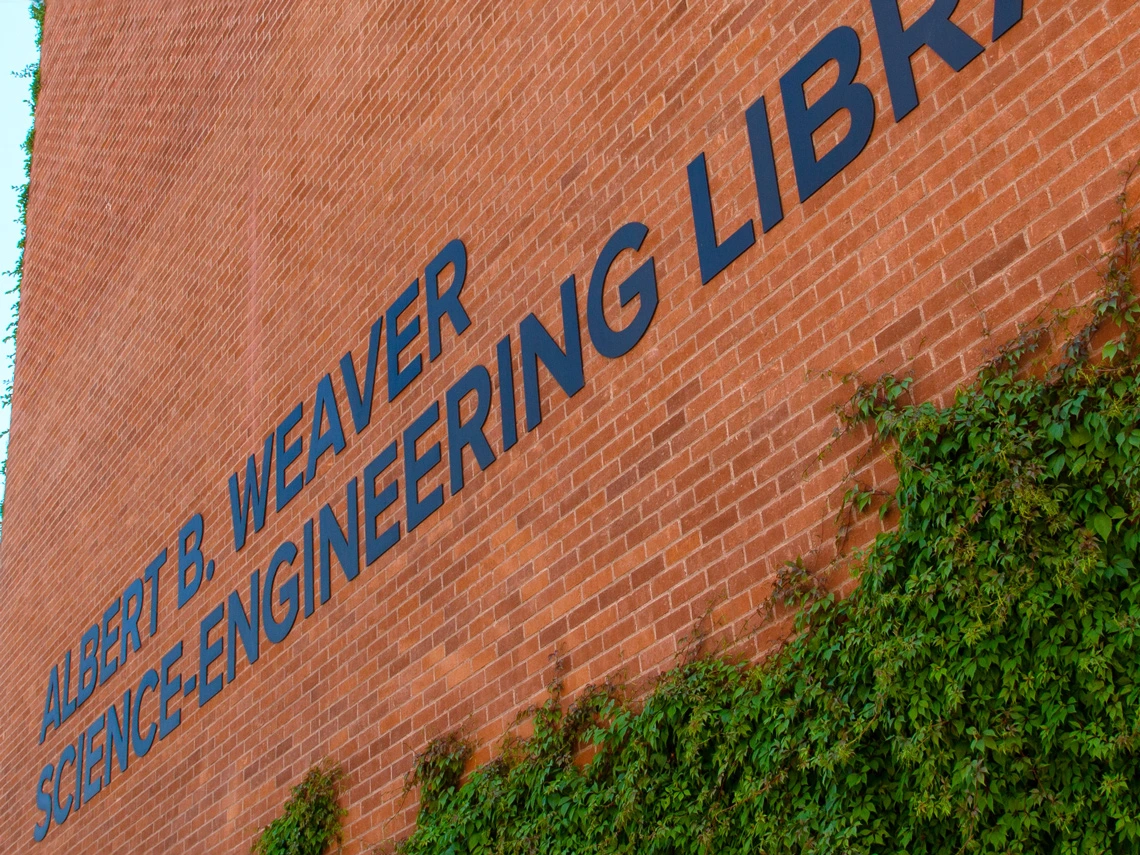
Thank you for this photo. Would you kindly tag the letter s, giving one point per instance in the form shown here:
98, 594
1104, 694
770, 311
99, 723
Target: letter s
43, 802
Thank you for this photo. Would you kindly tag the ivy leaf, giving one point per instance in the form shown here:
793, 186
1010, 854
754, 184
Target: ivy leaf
1103, 524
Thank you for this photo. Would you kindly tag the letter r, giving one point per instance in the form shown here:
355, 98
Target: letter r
934, 29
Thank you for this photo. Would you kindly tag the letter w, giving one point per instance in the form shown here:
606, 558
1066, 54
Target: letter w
256, 492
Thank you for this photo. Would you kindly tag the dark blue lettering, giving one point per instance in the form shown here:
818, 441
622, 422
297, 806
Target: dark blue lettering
208, 654
308, 573
764, 164
1006, 14
842, 46
933, 29
286, 454
360, 400
642, 284
277, 630
168, 689
118, 736
345, 543
241, 624
398, 341
141, 744
713, 257
88, 664
565, 366
416, 468
255, 494
43, 802
51, 704
61, 810
319, 443
69, 703
93, 758
79, 770
133, 594
376, 543
151, 576
469, 433
110, 639
509, 412
447, 303
190, 557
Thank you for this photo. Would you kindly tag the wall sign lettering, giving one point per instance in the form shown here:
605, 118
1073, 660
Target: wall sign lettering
264, 608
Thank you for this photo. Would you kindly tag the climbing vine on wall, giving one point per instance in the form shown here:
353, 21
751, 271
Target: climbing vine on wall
32, 73
311, 819
978, 692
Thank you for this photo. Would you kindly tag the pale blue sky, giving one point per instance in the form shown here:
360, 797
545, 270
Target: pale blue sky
17, 51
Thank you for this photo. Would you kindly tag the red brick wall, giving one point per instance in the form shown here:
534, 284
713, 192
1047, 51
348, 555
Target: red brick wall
225, 197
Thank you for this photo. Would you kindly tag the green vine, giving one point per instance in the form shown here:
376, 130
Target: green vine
32, 73
312, 818
979, 692
438, 769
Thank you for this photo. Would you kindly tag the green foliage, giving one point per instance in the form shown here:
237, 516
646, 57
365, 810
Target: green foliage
439, 768
312, 817
32, 73
978, 693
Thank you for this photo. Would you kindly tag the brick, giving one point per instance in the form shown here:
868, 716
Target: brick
222, 207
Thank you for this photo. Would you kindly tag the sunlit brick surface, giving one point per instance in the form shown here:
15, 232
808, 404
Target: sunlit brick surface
227, 195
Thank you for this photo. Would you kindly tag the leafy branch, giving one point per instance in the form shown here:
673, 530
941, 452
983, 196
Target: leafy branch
978, 692
312, 818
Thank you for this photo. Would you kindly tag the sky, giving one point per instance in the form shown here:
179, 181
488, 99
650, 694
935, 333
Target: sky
17, 51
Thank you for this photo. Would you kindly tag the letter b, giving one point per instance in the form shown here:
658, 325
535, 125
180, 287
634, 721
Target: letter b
842, 46
190, 558
88, 664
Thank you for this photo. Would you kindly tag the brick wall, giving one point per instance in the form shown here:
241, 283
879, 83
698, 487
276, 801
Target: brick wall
226, 196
